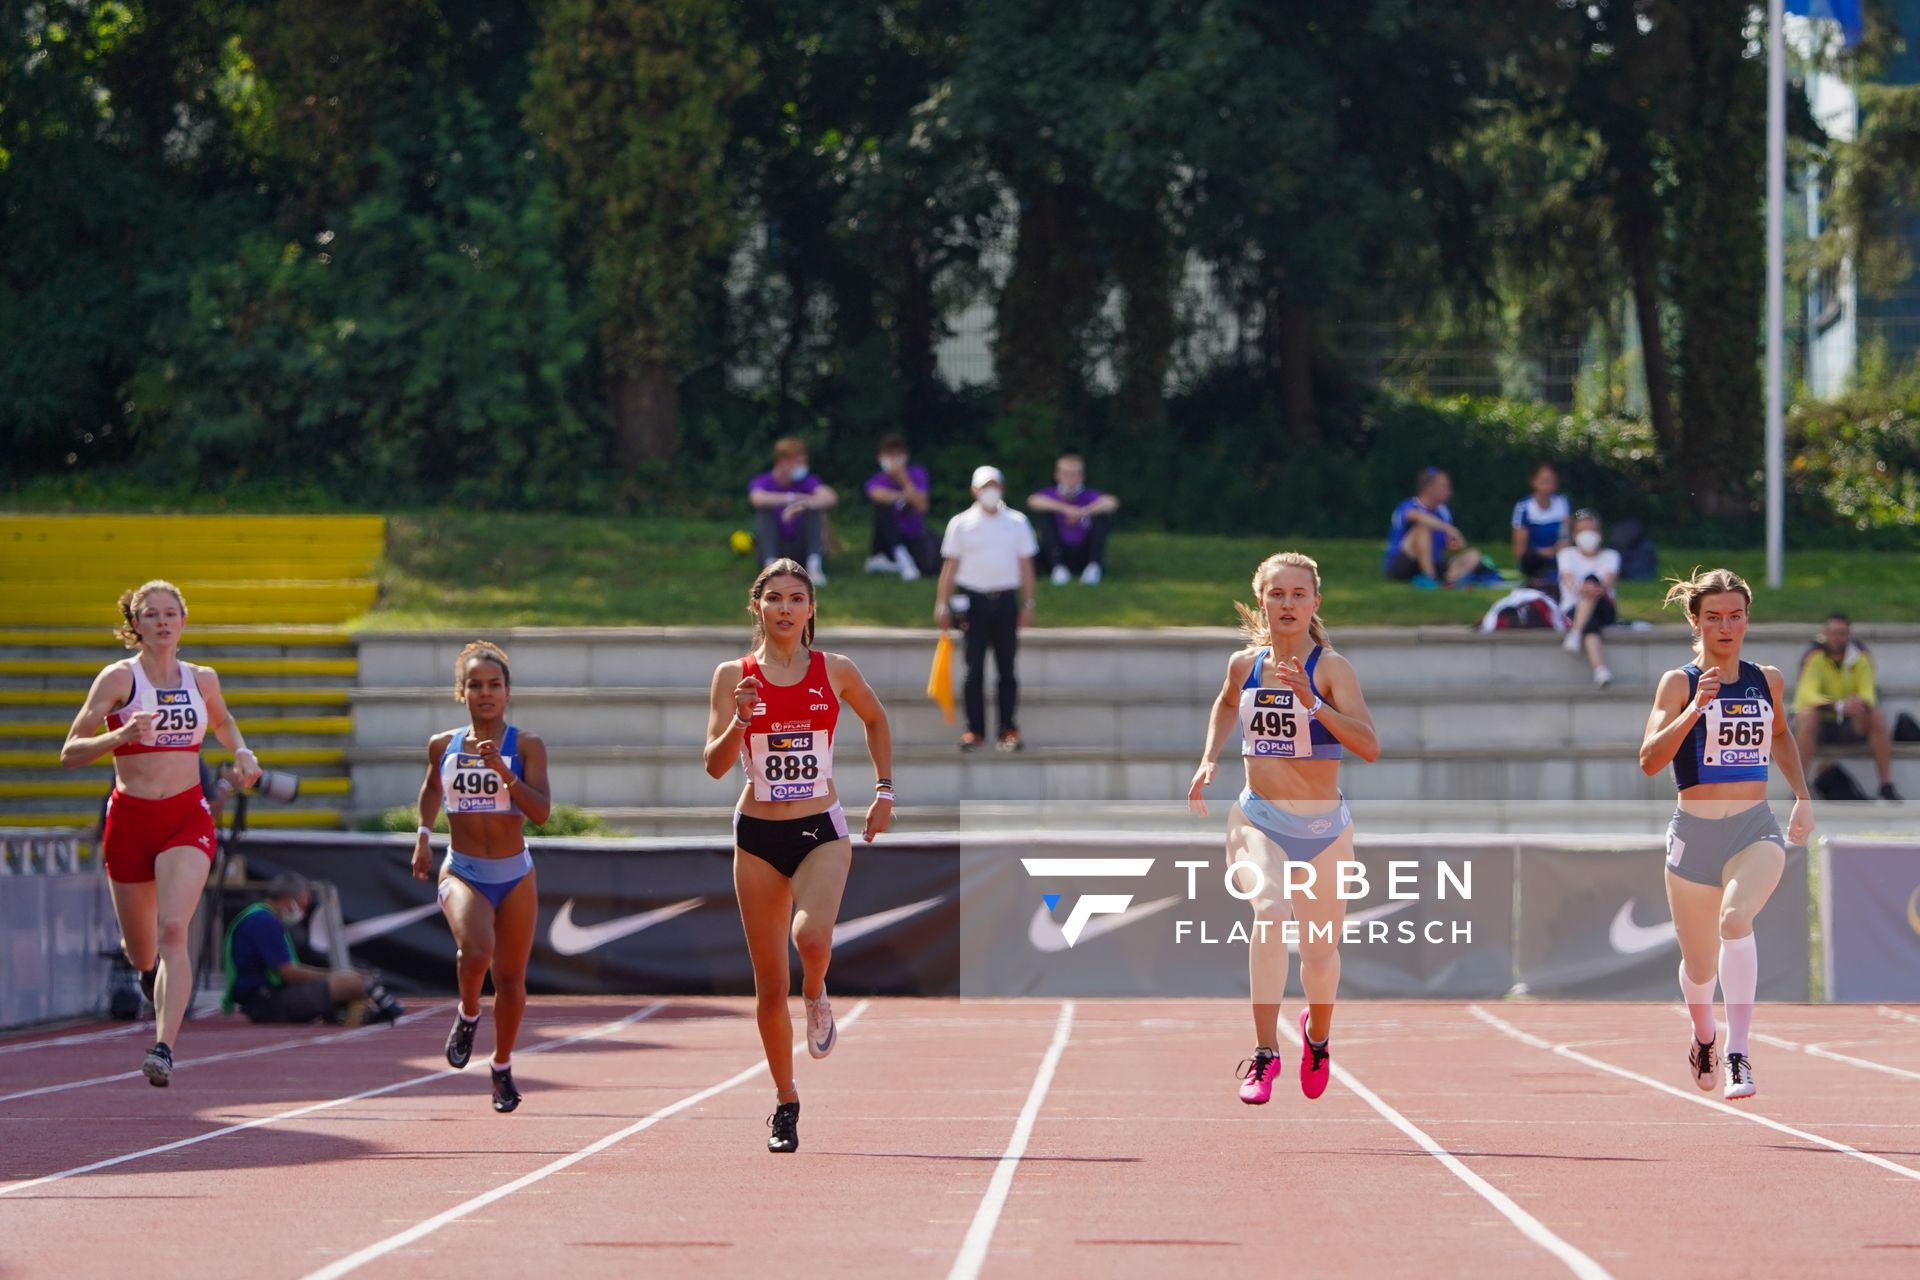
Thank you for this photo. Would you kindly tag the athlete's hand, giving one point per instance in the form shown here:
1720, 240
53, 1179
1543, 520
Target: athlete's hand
489, 752
746, 696
1709, 689
1800, 822
141, 726
1294, 676
879, 818
422, 858
1201, 778
246, 767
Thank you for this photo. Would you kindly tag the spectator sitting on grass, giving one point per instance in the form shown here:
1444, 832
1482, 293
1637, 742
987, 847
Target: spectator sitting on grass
1835, 701
1541, 526
788, 503
1423, 546
902, 543
1077, 520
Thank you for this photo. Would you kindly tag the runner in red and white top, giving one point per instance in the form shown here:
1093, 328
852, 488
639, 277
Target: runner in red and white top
775, 711
159, 839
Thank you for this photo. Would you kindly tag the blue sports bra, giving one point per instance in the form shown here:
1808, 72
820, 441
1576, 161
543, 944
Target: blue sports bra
469, 785
1267, 724
1733, 740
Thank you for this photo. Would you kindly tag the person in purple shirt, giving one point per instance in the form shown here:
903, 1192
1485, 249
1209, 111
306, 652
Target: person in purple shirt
789, 503
1074, 539
902, 543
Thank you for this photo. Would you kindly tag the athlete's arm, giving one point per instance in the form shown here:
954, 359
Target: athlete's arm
428, 805
853, 690
1786, 753
111, 688
220, 724
1672, 719
724, 713
1345, 714
1219, 722
532, 793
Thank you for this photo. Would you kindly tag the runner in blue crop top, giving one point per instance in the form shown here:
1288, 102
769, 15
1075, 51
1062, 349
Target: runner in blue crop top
1300, 710
1717, 722
491, 779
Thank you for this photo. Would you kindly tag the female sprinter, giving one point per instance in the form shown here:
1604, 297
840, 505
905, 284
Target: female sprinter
1718, 720
775, 710
491, 778
1300, 710
159, 838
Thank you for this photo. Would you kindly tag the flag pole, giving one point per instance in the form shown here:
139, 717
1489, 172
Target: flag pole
1776, 289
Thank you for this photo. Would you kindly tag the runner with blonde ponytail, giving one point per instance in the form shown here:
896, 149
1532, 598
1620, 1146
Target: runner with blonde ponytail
1300, 710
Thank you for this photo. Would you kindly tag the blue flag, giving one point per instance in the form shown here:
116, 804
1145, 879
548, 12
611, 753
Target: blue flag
1844, 12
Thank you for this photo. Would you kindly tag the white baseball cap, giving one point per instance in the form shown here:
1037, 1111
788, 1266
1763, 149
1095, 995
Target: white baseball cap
984, 476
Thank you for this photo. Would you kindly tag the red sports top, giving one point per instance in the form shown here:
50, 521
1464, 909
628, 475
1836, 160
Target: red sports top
787, 750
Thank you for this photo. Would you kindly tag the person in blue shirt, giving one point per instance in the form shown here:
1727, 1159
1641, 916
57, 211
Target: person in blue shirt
1423, 545
1542, 526
267, 982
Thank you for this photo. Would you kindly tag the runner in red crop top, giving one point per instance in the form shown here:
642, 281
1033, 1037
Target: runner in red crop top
775, 712
159, 837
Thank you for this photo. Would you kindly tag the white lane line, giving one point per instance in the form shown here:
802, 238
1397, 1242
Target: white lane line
973, 1250
1903, 1016
278, 1046
1531, 1227
79, 1038
1501, 1024
400, 1240
295, 1113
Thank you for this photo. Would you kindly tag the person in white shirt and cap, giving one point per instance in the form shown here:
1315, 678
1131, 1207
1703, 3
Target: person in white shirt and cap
988, 555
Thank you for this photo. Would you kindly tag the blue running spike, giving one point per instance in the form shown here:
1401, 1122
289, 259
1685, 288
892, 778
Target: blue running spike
1051, 899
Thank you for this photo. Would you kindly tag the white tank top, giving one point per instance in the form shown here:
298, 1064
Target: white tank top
182, 725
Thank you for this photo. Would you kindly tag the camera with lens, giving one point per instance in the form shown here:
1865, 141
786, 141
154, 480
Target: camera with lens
273, 784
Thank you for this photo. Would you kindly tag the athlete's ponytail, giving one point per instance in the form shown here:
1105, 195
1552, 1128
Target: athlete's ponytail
779, 568
1253, 621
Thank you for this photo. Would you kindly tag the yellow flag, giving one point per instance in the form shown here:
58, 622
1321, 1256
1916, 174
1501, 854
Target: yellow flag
940, 679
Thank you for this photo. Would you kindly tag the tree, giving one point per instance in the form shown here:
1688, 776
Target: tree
632, 99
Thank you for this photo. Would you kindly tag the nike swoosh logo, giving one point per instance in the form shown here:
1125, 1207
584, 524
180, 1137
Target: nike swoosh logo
1629, 938
1045, 933
372, 927
848, 930
571, 939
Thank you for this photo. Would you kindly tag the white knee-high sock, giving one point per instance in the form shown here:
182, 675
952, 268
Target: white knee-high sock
1699, 998
1739, 980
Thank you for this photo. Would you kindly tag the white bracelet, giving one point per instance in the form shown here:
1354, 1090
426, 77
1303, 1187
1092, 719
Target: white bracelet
884, 795
426, 831
737, 720
1314, 710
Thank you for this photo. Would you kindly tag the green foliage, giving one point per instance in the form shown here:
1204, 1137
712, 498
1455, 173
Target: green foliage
565, 820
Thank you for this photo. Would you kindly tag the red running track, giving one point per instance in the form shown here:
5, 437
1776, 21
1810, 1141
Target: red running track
998, 1138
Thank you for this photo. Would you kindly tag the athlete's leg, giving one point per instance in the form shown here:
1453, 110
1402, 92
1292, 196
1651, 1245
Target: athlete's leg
470, 916
179, 877
1267, 950
513, 928
1696, 920
816, 888
1321, 915
766, 911
135, 907
1750, 879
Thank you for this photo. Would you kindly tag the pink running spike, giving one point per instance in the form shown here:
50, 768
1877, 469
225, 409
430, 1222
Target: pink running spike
1314, 1065
1258, 1072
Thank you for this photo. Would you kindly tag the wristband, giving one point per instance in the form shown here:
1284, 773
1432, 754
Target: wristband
427, 831
883, 795
737, 719
1314, 710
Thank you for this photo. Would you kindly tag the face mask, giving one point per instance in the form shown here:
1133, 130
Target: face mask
291, 915
798, 473
1070, 490
990, 497
1588, 540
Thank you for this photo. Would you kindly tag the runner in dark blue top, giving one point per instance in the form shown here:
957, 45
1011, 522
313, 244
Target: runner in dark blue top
491, 779
1718, 722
